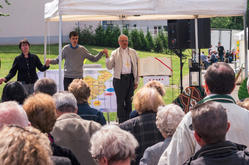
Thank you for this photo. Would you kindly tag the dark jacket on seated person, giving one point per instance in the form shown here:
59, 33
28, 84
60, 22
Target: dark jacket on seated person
145, 131
223, 153
88, 113
61, 160
60, 151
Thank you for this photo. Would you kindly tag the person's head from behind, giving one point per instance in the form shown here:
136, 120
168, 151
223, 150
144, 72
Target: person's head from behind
24, 45
123, 41
113, 146
14, 91
167, 119
74, 38
147, 100
157, 85
65, 102
12, 113
209, 121
27, 146
41, 111
45, 85
80, 90
219, 43
219, 79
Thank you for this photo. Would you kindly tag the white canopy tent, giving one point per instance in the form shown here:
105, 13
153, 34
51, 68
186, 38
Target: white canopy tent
93, 10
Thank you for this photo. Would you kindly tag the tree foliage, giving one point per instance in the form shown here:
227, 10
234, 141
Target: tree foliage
227, 23
1, 6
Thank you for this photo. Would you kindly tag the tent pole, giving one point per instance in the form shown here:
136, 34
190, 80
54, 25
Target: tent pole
246, 47
45, 43
197, 48
60, 52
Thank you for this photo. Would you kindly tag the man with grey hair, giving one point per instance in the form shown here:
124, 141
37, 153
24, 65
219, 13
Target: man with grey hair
124, 62
211, 135
219, 84
167, 119
12, 113
70, 130
45, 85
112, 145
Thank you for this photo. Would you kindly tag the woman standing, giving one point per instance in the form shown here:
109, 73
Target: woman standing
26, 64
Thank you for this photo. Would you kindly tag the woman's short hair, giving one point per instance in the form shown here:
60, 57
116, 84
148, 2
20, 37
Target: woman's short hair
41, 111
27, 146
113, 143
147, 99
65, 101
80, 90
168, 117
14, 91
157, 85
45, 85
13, 113
24, 41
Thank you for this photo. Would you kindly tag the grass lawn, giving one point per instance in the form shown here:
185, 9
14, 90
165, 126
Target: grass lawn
8, 53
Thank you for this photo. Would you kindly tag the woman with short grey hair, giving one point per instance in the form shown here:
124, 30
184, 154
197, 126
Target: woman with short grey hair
167, 119
112, 145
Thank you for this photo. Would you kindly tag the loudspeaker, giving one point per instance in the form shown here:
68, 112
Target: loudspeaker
181, 34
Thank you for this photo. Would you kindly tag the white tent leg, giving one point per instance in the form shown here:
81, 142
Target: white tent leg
60, 52
45, 43
196, 40
246, 47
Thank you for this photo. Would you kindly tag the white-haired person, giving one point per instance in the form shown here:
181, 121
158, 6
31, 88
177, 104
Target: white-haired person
70, 130
167, 119
143, 127
12, 113
113, 146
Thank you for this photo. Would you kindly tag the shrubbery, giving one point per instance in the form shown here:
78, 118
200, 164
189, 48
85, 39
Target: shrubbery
108, 36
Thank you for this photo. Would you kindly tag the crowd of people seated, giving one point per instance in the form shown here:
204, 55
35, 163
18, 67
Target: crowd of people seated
61, 128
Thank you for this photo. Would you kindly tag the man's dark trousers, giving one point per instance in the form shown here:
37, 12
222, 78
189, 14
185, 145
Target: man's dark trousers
124, 89
67, 82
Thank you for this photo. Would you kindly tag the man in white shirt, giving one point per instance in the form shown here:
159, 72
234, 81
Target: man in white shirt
124, 61
219, 83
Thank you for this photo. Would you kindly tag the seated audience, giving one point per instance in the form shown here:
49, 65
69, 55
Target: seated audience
151, 84
41, 112
204, 60
81, 91
24, 146
70, 130
143, 127
210, 124
12, 113
167, 120
45, 85
219, 84
14, 91
113, 146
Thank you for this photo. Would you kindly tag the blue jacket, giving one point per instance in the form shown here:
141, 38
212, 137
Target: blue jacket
88, 113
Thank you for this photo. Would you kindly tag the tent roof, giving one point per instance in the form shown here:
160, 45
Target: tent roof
94, 10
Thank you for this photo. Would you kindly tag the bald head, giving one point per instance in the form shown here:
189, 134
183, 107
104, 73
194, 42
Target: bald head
123, 41
12, 113
220, 78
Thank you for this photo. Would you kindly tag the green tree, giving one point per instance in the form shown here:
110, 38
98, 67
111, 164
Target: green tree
150, 40
86, 35
158, 45
1, 6
136, 41
144, 43
127, 33
227, 22
114, 36
100, 36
